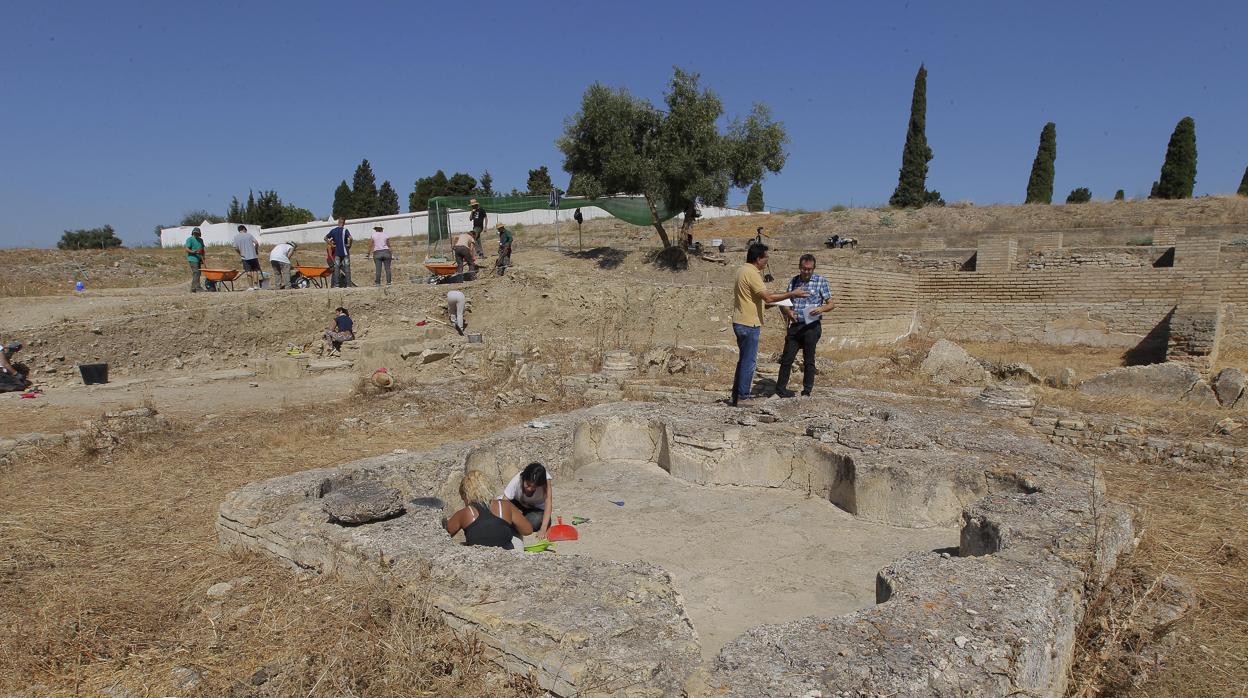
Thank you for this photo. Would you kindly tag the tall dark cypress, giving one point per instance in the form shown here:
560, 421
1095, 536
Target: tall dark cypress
754, 200
1040, 184
1178, 173
1243, 184
344, 203
387, 200
364, 191
912, 179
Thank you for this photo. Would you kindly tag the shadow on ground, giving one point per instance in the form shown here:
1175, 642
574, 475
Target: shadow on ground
606, 257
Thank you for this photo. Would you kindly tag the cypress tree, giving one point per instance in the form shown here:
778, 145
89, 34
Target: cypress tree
1120, 195
387, 200
364, 191
912, 178
487, 184
234, 214
249, 212
344, 202
754, 201
1243, 184
1178, 173
1040, 184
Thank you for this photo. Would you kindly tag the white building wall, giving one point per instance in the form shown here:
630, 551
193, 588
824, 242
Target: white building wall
212, 233
400, 225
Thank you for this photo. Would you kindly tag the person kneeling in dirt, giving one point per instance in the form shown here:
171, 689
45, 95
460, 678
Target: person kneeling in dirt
12, 377
343, 330
485, 519
532, 491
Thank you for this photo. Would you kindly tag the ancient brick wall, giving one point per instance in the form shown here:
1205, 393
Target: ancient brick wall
1109, 297
873, 307
996, 254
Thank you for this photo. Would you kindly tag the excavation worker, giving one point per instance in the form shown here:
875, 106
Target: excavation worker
456, 304
504, 249
486, 519
478, 218
249, 252
280, 260
465, 252
195, 257
805, 327
379, 250
340, 239
341, 330
532, 491
749, 295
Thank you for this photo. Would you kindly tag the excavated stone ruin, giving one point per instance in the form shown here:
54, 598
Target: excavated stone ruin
871, 543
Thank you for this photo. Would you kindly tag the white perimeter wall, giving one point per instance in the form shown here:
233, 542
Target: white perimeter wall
401, 225
213, 234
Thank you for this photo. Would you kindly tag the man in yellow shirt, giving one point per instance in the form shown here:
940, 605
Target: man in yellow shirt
749, 295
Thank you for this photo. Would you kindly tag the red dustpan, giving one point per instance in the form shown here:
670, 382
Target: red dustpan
561, 531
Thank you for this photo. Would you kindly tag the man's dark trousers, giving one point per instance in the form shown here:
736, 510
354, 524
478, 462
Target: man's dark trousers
806, 337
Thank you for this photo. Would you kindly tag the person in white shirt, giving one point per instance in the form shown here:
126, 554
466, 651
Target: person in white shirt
533, 492
279, 259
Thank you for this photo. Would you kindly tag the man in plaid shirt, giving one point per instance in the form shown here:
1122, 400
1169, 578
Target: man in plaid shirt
804, 325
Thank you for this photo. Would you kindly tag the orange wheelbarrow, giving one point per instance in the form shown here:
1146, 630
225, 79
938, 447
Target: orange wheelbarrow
219, 277
444, 272
315, 274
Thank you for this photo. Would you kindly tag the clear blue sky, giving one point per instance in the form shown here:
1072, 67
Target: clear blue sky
132, 113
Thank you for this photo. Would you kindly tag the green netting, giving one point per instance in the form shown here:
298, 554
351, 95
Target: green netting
632, 209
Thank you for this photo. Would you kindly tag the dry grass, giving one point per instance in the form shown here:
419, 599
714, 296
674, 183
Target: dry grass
106, 561
1195, 527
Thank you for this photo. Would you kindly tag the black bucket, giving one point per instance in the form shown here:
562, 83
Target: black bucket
93, 374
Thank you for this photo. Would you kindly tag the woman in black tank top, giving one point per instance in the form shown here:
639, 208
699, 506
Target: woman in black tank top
489, 529
492, 525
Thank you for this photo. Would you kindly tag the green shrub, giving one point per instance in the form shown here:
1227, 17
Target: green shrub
1140, 242
1079, 196
839, 207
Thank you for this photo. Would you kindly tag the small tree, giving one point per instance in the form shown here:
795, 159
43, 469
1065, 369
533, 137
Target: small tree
344, 202
427, 188
1120, 195
293, 215
1079, 196
487, 184
249, 212
234, 214
199, 216
539, 183
461, 184
911, 189
89, 239
1243, 184
387, 200
675, 158
364, 192
1040, 184
754, 200
1178, 173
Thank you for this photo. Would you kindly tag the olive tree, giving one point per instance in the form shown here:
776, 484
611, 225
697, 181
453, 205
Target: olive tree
676, 158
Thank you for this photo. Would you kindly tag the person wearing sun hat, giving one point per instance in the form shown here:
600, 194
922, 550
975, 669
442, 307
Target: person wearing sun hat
478, 218
504, 249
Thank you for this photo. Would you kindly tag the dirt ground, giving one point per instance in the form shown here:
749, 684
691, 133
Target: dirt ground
106, 556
